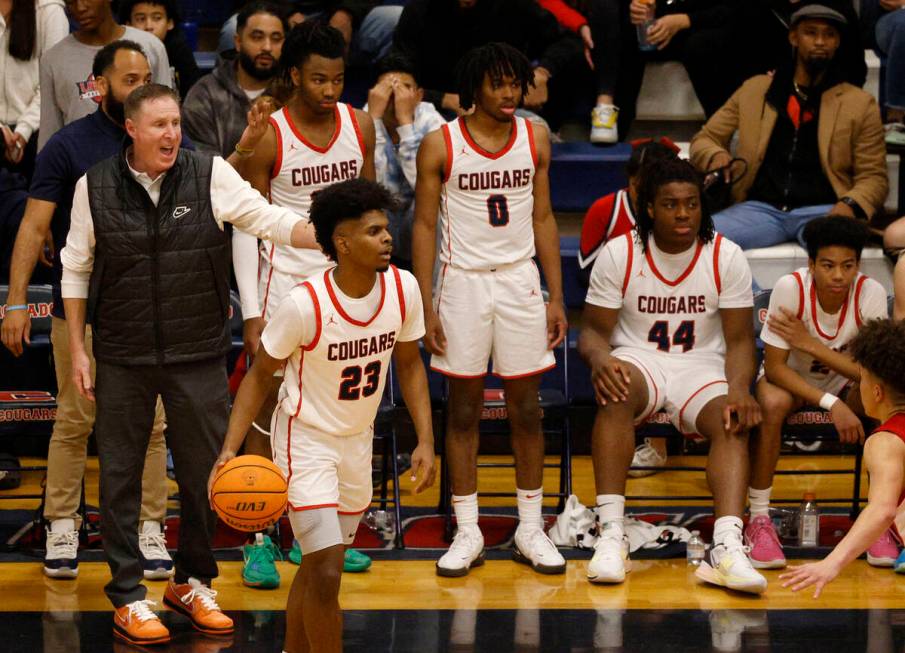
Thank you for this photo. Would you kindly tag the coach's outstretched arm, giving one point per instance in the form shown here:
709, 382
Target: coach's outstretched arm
252, 392
738, 331
546, 241
413, 383
431, 163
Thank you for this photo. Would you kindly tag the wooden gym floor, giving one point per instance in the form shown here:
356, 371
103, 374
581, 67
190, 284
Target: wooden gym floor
401, 605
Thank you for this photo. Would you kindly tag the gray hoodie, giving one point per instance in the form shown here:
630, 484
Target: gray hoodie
214, 111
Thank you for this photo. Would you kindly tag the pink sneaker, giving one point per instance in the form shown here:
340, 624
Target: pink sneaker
765, 549
883, 552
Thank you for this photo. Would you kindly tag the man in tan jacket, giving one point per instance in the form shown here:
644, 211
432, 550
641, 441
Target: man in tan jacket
813, 144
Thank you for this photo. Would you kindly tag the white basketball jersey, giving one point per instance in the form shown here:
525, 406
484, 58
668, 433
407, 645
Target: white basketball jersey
672, 316
300, 170
487, 199
847, 323
335, 383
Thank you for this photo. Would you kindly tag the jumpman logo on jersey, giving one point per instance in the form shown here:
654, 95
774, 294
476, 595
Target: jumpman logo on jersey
640, 272
292, 146
464, 151
331, 320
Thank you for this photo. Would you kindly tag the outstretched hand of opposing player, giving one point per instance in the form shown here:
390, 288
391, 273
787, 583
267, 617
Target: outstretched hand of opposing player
557, 326
434, 337
814, 573
742, 412
423, 466
611, 380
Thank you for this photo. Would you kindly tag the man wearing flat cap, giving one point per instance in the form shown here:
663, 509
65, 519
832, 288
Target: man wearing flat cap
813, 143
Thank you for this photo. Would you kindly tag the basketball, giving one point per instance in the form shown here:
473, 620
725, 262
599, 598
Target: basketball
249, 493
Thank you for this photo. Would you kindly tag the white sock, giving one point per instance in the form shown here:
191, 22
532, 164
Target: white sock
727, 527
62, 525
530, 503
759, 501
611, 510
466, 509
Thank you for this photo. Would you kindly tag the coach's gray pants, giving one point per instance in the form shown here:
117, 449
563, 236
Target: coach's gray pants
195, 397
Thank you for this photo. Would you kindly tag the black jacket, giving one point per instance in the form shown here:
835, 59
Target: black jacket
159, 290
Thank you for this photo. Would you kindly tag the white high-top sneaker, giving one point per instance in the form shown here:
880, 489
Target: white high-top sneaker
465, 552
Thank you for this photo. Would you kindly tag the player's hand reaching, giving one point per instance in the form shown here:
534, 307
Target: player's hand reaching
557, 326
611, 380
790, 328
847, 424
814, 573
434, 338
222, 459
423, 466
258, 118
742, 412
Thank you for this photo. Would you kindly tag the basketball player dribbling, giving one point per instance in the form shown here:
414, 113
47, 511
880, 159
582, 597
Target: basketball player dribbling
311, 142
336, 333
668, 325
486, 174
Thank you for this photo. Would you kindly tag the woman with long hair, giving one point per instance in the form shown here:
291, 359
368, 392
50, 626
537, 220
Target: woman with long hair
28, 28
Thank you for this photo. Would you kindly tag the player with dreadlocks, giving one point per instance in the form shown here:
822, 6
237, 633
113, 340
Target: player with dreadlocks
490, 170
668, 326
312, 142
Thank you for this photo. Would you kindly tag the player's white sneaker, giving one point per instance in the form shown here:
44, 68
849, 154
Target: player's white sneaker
465, 552
610, 562
646, 456
152, 544
531, 546
603, 124
728, 565
62, 557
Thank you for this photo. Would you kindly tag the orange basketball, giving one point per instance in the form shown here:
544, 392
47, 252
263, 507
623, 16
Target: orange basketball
249, 493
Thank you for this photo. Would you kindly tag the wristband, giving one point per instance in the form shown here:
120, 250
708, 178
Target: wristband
243, 152
828, 400
17, 307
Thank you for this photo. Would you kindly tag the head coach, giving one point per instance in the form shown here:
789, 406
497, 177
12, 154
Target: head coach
147, 263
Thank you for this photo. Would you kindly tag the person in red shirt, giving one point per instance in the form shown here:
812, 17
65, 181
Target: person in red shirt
879, 350
614, 215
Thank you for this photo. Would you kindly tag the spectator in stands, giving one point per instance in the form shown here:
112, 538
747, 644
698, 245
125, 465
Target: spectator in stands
813, 143
28, 29
164, 332
436, 34
161, 18
214, 111
894, 244
763, 37
68, 87
119, 67
886, 24
366, 27
401, 121
803, 366
600, 20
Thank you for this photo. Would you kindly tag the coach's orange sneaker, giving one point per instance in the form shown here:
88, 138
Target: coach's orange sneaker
136, 623
196, 601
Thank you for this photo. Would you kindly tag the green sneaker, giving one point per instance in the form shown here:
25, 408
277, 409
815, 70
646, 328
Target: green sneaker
353, 563
295, 554
259, 570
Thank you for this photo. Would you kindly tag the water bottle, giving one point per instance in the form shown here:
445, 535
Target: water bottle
643, 44
694, 549
808, 521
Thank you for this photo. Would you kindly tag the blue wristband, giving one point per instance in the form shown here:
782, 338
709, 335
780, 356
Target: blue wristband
17, 307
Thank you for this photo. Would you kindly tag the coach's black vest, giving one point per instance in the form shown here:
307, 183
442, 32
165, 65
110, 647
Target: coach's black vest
160, 285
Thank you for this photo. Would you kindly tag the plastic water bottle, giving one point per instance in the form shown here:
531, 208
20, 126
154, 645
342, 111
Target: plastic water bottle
694, 549
808, 521
643, 44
